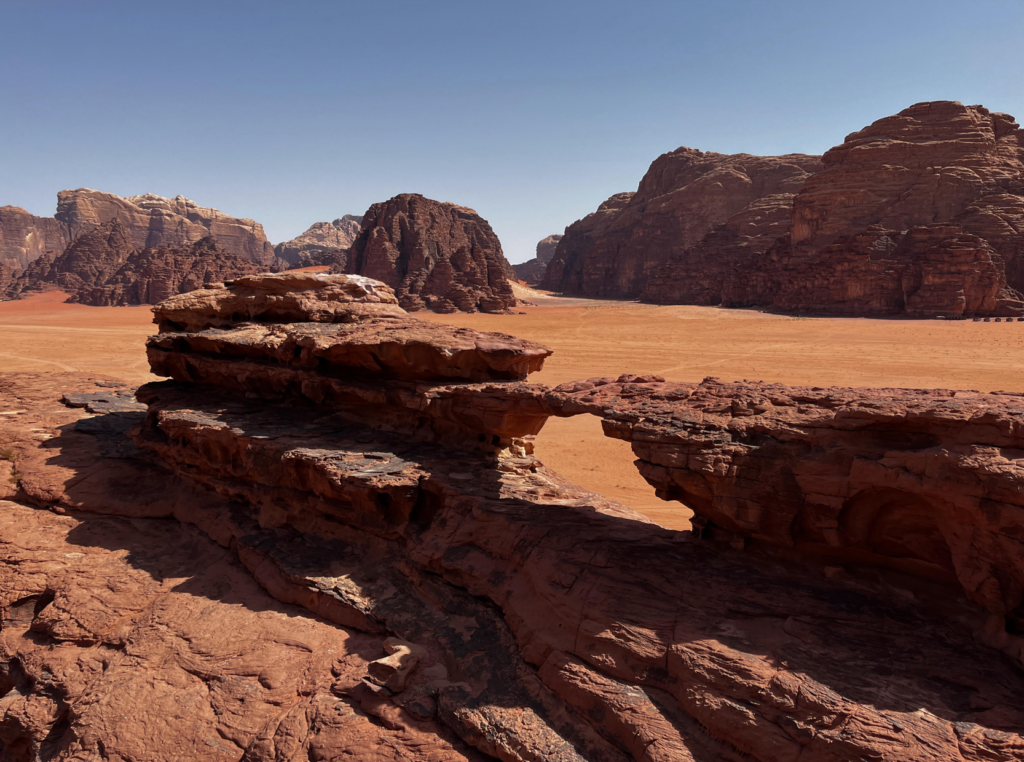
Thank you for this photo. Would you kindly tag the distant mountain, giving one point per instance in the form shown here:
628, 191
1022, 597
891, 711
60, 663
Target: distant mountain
150, 222
321, 237
532, 270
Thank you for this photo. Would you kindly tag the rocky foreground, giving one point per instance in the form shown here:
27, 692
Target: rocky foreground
365, 560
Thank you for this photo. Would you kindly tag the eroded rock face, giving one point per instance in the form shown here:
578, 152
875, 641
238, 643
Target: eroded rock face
435, 256
685, 195
157, 222
102, 268
505, 612
320, 239
25, 237
919, 213
532, 271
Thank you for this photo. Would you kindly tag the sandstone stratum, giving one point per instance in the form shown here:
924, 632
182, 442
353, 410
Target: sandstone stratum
365, 559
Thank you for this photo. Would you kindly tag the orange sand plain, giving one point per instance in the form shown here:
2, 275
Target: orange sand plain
604, 339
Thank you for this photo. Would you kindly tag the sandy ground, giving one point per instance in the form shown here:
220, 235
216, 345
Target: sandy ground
594, 338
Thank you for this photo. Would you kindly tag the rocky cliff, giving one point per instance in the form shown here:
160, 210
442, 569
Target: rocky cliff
319, 238
102, 268
685, 195
846, 595
24, 237
532, 270
157, 222
921, 213
435, 256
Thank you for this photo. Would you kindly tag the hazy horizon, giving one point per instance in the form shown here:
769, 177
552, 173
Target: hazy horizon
532, 114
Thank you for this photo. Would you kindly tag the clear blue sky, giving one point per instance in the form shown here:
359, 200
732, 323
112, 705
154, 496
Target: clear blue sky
531, 113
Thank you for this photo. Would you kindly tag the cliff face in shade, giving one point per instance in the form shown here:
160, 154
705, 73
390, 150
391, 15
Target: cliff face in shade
319, 238
684, 196
158, 222
532, 271
25, 237
920, 213
435, 256
101, 268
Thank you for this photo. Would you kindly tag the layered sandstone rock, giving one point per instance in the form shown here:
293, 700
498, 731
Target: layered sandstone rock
102, 268
483, 606
924, 481
685, 195
435, 256
157, 222
532, 270
920, 213
25, 237
320, 238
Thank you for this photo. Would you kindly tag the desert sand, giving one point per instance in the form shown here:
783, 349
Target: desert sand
601, 338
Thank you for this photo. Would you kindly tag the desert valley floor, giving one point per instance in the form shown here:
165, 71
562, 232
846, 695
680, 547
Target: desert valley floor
598, 338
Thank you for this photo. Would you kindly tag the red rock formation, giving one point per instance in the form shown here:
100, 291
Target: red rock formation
435, 256
532, 270
320, 238
24, 237
920, 213
158, 222
480, 600
102, 269
683, 197
88, 262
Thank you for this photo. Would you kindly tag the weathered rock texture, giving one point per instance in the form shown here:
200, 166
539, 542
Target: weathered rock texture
532, 270
435, 256
320, 239
920, 213
157, 222
24, 237
101, 268
685, 195
482, 604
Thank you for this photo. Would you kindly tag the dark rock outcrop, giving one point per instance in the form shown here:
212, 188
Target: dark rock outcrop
25, 237
532, 271
435, 255
321, 238
685, 195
